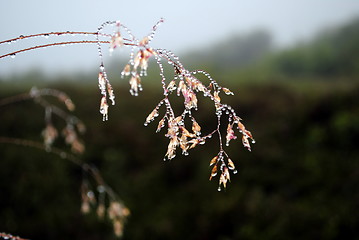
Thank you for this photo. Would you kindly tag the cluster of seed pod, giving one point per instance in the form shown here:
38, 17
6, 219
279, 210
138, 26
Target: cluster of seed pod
74, 126
117, 212
113, 208
185, 84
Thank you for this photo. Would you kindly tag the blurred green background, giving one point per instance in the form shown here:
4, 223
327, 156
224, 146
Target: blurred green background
301, 180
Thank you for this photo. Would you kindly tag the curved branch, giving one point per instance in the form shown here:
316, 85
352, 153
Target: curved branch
12, 54
46, 35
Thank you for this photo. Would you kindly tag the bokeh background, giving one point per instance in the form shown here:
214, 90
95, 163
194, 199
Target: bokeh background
294, 68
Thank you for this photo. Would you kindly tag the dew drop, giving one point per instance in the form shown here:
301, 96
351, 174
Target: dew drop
145, 124
13, 56
219, 189
90, 194
253, 141
101, 188
46, 36
235, 171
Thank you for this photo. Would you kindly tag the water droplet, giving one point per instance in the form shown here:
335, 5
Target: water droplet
90, 194
235, 171
253, 141
13, 56
46, 36
145, 124
219, 189
101, 188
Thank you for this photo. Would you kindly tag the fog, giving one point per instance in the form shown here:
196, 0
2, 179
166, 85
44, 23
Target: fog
188, 25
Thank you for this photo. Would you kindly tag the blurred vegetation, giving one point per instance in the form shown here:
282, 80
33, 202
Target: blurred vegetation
301, 181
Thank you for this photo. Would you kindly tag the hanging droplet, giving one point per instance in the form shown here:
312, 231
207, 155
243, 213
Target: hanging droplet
219, 189
13, 55
101, 188
253, 141
46, 36
235, 171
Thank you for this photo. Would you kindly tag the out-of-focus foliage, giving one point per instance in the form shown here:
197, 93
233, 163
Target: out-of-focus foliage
236, 52
334, 52
301, 180
331, 54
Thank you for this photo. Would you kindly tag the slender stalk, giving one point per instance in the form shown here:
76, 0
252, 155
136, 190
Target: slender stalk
50, 45
46, 35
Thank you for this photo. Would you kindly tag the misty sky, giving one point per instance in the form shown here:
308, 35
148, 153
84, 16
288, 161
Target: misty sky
188, 25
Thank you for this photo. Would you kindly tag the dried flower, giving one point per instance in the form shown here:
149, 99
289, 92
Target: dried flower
151, 116
196, 128
104, 108
116, 41
216, 97
213, 172
100, 210
171, 86
118, 228
231, 164
246, 134
67, 101
144, 41
171, 150
85, 207
117, 210
230, 134
102, 83
126, 71
110, 93
227, 91
213, 161
184, 144
246, 142
135, 83
50, 134
77, 146
160, 125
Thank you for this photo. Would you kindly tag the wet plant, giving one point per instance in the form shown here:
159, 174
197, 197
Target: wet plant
183, 130
95, 192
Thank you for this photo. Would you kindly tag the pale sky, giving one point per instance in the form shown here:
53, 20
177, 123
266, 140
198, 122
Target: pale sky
188, 25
